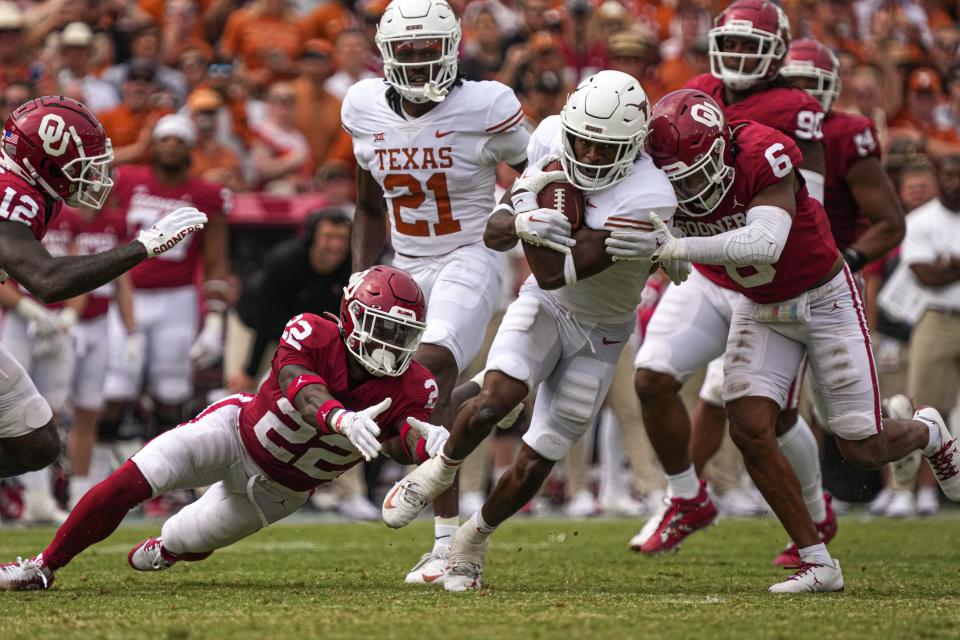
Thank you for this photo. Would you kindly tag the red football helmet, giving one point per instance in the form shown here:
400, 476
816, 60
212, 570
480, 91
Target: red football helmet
759, 23
810, 60
58, 144
689, 140
383, 315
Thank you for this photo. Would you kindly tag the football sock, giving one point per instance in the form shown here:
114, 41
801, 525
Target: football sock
684, 485
816, 554
799, 445
443, 532
477, 530
98, 514
935, 441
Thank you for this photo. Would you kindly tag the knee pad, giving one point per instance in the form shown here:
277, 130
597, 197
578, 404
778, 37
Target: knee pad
513, 366
521, 315
36, 412
577, 397
711, 391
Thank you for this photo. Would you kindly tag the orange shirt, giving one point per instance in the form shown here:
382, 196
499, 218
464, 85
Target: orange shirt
208, 161
326, 21
907, 120
123, 126
252, 37
317, 115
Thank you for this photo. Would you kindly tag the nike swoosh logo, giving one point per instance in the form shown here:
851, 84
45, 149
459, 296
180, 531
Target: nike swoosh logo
443, 134
609, 341
388, 503
429, 579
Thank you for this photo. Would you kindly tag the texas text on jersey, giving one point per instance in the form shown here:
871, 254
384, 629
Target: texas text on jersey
299, 458
146, 200
764, 157
436, 170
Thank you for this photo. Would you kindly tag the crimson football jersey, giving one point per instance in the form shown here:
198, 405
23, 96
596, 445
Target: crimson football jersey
302, 458
847, 138
793, 112
26, 204
102, 232
763, 158
145, 201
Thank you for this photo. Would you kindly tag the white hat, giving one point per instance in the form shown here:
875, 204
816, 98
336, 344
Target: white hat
76, 34
10, 16
178, 126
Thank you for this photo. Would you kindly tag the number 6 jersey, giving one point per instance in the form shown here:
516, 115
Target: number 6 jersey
762, 158
437, 171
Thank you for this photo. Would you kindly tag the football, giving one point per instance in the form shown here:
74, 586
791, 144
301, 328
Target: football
564, 197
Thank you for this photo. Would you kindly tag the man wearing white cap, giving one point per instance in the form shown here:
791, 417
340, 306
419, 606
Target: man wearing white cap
75, 79
166, 344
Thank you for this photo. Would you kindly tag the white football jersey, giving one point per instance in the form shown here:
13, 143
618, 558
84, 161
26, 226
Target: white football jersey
437, 171
613, 294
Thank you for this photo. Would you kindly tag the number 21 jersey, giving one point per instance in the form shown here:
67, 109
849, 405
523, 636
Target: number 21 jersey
437, 171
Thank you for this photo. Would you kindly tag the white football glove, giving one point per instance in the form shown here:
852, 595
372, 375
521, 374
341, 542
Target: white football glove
545, 228
134, 352
435, 435
171, 229
677, 270
207, 349
360, 427
523, 195
625, 244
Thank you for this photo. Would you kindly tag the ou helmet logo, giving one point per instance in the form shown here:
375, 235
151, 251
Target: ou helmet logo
707, 114
52, 132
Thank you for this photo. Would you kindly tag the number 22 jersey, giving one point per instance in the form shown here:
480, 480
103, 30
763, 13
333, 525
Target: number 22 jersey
437, 171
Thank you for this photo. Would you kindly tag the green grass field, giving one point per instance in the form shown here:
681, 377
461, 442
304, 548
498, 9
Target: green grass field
553, 579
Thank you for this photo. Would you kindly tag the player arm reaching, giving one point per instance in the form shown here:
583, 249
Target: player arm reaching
207, 349
369, 222
53, 279
760, 241
877, 198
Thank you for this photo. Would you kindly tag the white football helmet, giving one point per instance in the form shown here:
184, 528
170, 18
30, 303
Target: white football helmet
419, 41
609, 107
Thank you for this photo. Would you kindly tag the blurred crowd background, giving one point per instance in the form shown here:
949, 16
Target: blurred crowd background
262, 81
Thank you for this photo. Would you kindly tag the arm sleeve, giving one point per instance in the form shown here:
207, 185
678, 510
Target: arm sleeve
760, 241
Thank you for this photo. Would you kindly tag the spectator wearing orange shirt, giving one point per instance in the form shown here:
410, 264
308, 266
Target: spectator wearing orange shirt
352, 53
917, 119
211, 159
317, 112
327, 20
280, 153
130, 125
266, 38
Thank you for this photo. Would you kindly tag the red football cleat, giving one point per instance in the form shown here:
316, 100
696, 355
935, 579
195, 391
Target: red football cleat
790, 556
681, 518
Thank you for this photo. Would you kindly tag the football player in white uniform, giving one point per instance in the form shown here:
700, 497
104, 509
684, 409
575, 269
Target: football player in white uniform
428, 144
573, 315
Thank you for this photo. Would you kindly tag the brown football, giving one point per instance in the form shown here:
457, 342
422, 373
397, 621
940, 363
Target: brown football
562, 196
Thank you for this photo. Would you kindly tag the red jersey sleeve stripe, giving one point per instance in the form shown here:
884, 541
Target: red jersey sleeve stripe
506, 124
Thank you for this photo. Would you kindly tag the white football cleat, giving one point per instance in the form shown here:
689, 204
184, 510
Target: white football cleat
470, 503
928, 502
812, 578
904, 470
878, 506
902, 504
358, 508
465, 563
25, 575
148, 556
581, 505
430, 569
944, 460
623, 506
39, 507
415, 491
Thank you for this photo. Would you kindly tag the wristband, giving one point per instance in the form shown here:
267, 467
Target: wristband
299, 383
569, 270
854, 258
328, 413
